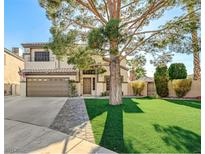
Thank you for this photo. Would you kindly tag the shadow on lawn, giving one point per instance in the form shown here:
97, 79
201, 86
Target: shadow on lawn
181, 139
112, 137
194, 104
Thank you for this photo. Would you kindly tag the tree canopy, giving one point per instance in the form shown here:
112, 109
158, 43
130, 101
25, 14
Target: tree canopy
116, 29
100, 22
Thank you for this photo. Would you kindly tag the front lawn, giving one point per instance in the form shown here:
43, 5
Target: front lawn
146, 125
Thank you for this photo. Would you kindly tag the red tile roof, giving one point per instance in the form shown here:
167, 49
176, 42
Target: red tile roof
57, 70
34, 44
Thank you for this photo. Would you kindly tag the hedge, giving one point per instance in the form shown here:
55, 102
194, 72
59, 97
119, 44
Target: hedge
182, 86
161, 81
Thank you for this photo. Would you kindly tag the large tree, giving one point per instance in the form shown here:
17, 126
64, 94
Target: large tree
113, 29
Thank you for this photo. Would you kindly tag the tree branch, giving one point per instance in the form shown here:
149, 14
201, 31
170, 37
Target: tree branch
153, 8
139, 44
106, 10
118, 8
135, 1
83, 25
96, 11
157, 32
90, 9
132, 36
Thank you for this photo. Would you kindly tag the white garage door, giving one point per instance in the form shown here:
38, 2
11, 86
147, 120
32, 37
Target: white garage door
42, 87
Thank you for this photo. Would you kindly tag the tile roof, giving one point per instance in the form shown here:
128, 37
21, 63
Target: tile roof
146, 78
56, 70
34, 44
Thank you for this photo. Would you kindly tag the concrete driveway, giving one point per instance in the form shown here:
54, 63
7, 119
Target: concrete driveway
27, 121
40, 111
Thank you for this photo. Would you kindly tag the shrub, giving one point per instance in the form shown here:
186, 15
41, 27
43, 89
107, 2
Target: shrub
161, 81
177, 71
72, 92
105, 93
138, 87
182, 86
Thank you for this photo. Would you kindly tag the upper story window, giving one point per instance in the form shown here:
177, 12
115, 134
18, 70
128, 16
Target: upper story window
88, 71
42, 56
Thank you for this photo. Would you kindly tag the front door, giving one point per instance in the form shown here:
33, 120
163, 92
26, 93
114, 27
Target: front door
86, 85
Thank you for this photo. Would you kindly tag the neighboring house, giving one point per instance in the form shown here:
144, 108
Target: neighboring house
151, 90
44, 75
12, 64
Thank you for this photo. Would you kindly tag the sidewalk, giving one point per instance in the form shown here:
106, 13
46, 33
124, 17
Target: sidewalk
73, 120
22, 137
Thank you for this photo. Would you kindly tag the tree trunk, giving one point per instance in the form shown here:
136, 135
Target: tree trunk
115, 82
197, 68
195, 45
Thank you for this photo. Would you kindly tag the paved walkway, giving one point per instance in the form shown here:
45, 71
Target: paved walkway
73, 120
27, 138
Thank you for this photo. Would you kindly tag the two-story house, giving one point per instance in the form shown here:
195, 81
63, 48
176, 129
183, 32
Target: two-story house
45, 75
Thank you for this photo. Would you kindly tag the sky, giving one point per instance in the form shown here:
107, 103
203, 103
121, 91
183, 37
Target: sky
25, 21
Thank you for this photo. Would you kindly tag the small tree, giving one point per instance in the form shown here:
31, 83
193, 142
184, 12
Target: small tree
72, 91
177, 71
161, 81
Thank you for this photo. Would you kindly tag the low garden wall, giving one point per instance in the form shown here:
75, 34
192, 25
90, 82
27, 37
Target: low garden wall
194, 92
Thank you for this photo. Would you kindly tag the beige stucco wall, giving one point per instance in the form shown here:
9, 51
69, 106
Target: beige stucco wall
23, 88
194, 92
30, 62
100, 88
11, 75
125, 89
11, 69
40, 65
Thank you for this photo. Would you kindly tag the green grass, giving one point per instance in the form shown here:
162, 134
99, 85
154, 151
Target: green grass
146, 125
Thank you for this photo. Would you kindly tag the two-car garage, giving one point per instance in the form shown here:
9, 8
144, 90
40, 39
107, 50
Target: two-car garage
43, 87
